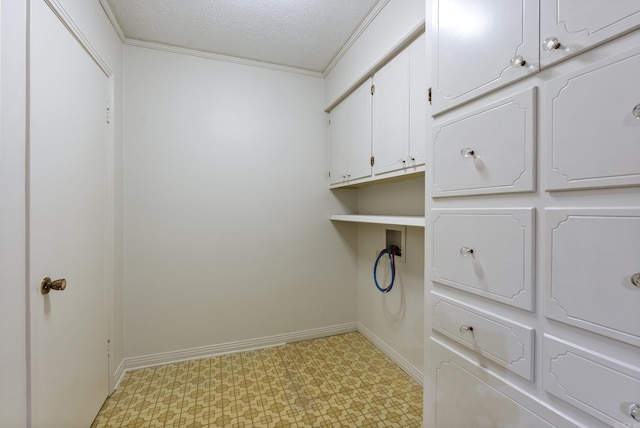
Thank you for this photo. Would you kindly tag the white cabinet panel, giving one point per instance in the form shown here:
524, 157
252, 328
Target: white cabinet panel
590, 125
418, 105
488, 252
350, 137
504, 342
490, 150
590, 257
391, 115
600, 385
465, 400
568, 27
338, 137
480, 46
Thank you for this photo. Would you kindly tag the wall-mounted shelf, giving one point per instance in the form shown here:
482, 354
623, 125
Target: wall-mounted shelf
417, 221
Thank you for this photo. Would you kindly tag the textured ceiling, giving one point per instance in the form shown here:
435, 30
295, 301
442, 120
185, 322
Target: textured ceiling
305, 34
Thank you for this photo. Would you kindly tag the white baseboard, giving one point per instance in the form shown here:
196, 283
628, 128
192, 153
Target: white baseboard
405, 365
134, 363
117, 376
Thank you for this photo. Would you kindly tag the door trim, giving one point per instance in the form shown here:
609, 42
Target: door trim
67, 21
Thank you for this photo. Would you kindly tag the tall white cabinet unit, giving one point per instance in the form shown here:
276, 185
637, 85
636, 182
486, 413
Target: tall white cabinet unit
533, 214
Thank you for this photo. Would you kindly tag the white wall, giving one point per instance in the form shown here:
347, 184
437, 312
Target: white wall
396, 318
89, 17
13, 369
393, 24
227, 236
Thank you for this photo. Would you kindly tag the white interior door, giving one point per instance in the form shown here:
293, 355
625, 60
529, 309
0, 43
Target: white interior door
69, 225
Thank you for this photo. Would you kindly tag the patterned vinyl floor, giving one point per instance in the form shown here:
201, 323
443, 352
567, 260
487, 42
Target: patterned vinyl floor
338, 381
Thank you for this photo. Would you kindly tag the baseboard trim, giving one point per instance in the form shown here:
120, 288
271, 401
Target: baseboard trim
117, 376
134, 363
405, 365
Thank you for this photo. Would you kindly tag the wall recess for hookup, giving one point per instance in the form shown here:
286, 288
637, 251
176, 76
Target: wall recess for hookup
396, 235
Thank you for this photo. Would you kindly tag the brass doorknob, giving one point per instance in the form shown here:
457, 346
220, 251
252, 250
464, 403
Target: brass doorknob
47, 285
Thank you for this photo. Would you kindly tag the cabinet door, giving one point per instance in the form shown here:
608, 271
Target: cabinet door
464, 399
568, 27
570, 372
418, 111
591, 259
481, 45
391, 115
359, 132
338, 137
592, 125
350, 137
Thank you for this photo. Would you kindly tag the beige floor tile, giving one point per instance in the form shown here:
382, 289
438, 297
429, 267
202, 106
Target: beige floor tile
339, 381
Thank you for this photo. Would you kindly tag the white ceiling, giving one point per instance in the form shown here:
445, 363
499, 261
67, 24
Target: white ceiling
304, 34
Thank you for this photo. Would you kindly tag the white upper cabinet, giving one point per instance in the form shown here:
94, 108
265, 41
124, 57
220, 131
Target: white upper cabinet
379, 131
481, 45
400, 111
350, 137
418, 105
391, 115
568, 27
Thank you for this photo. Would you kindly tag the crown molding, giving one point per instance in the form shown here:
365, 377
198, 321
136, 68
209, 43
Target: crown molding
219, 57
355, 36
112, 18
75, 31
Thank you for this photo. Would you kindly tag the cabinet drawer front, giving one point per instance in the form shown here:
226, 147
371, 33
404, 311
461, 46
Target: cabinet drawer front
592, 127
504, 342
490, 150
579, 25
591, 256
477, 45
597, 384
485, 252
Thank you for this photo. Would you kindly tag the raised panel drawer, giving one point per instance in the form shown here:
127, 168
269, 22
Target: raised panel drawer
490, 150
502, 341
488, 252
595, 383
580, 24
591, 257
592, 125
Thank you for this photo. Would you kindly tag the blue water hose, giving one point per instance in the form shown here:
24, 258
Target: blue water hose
391, 252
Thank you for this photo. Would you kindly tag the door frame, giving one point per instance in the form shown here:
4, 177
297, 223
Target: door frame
66, 20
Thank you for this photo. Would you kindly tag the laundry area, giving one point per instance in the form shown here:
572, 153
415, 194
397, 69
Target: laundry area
301, 213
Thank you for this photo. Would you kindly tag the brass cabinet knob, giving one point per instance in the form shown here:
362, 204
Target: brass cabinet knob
47, 285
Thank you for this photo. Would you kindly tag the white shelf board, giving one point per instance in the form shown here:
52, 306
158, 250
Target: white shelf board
417, 221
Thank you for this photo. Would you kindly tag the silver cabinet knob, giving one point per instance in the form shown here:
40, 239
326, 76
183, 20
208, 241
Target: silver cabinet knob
636, 111
466, 329
634, 411
466, 251
550, 43
468, 152
635, 279
518, 61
